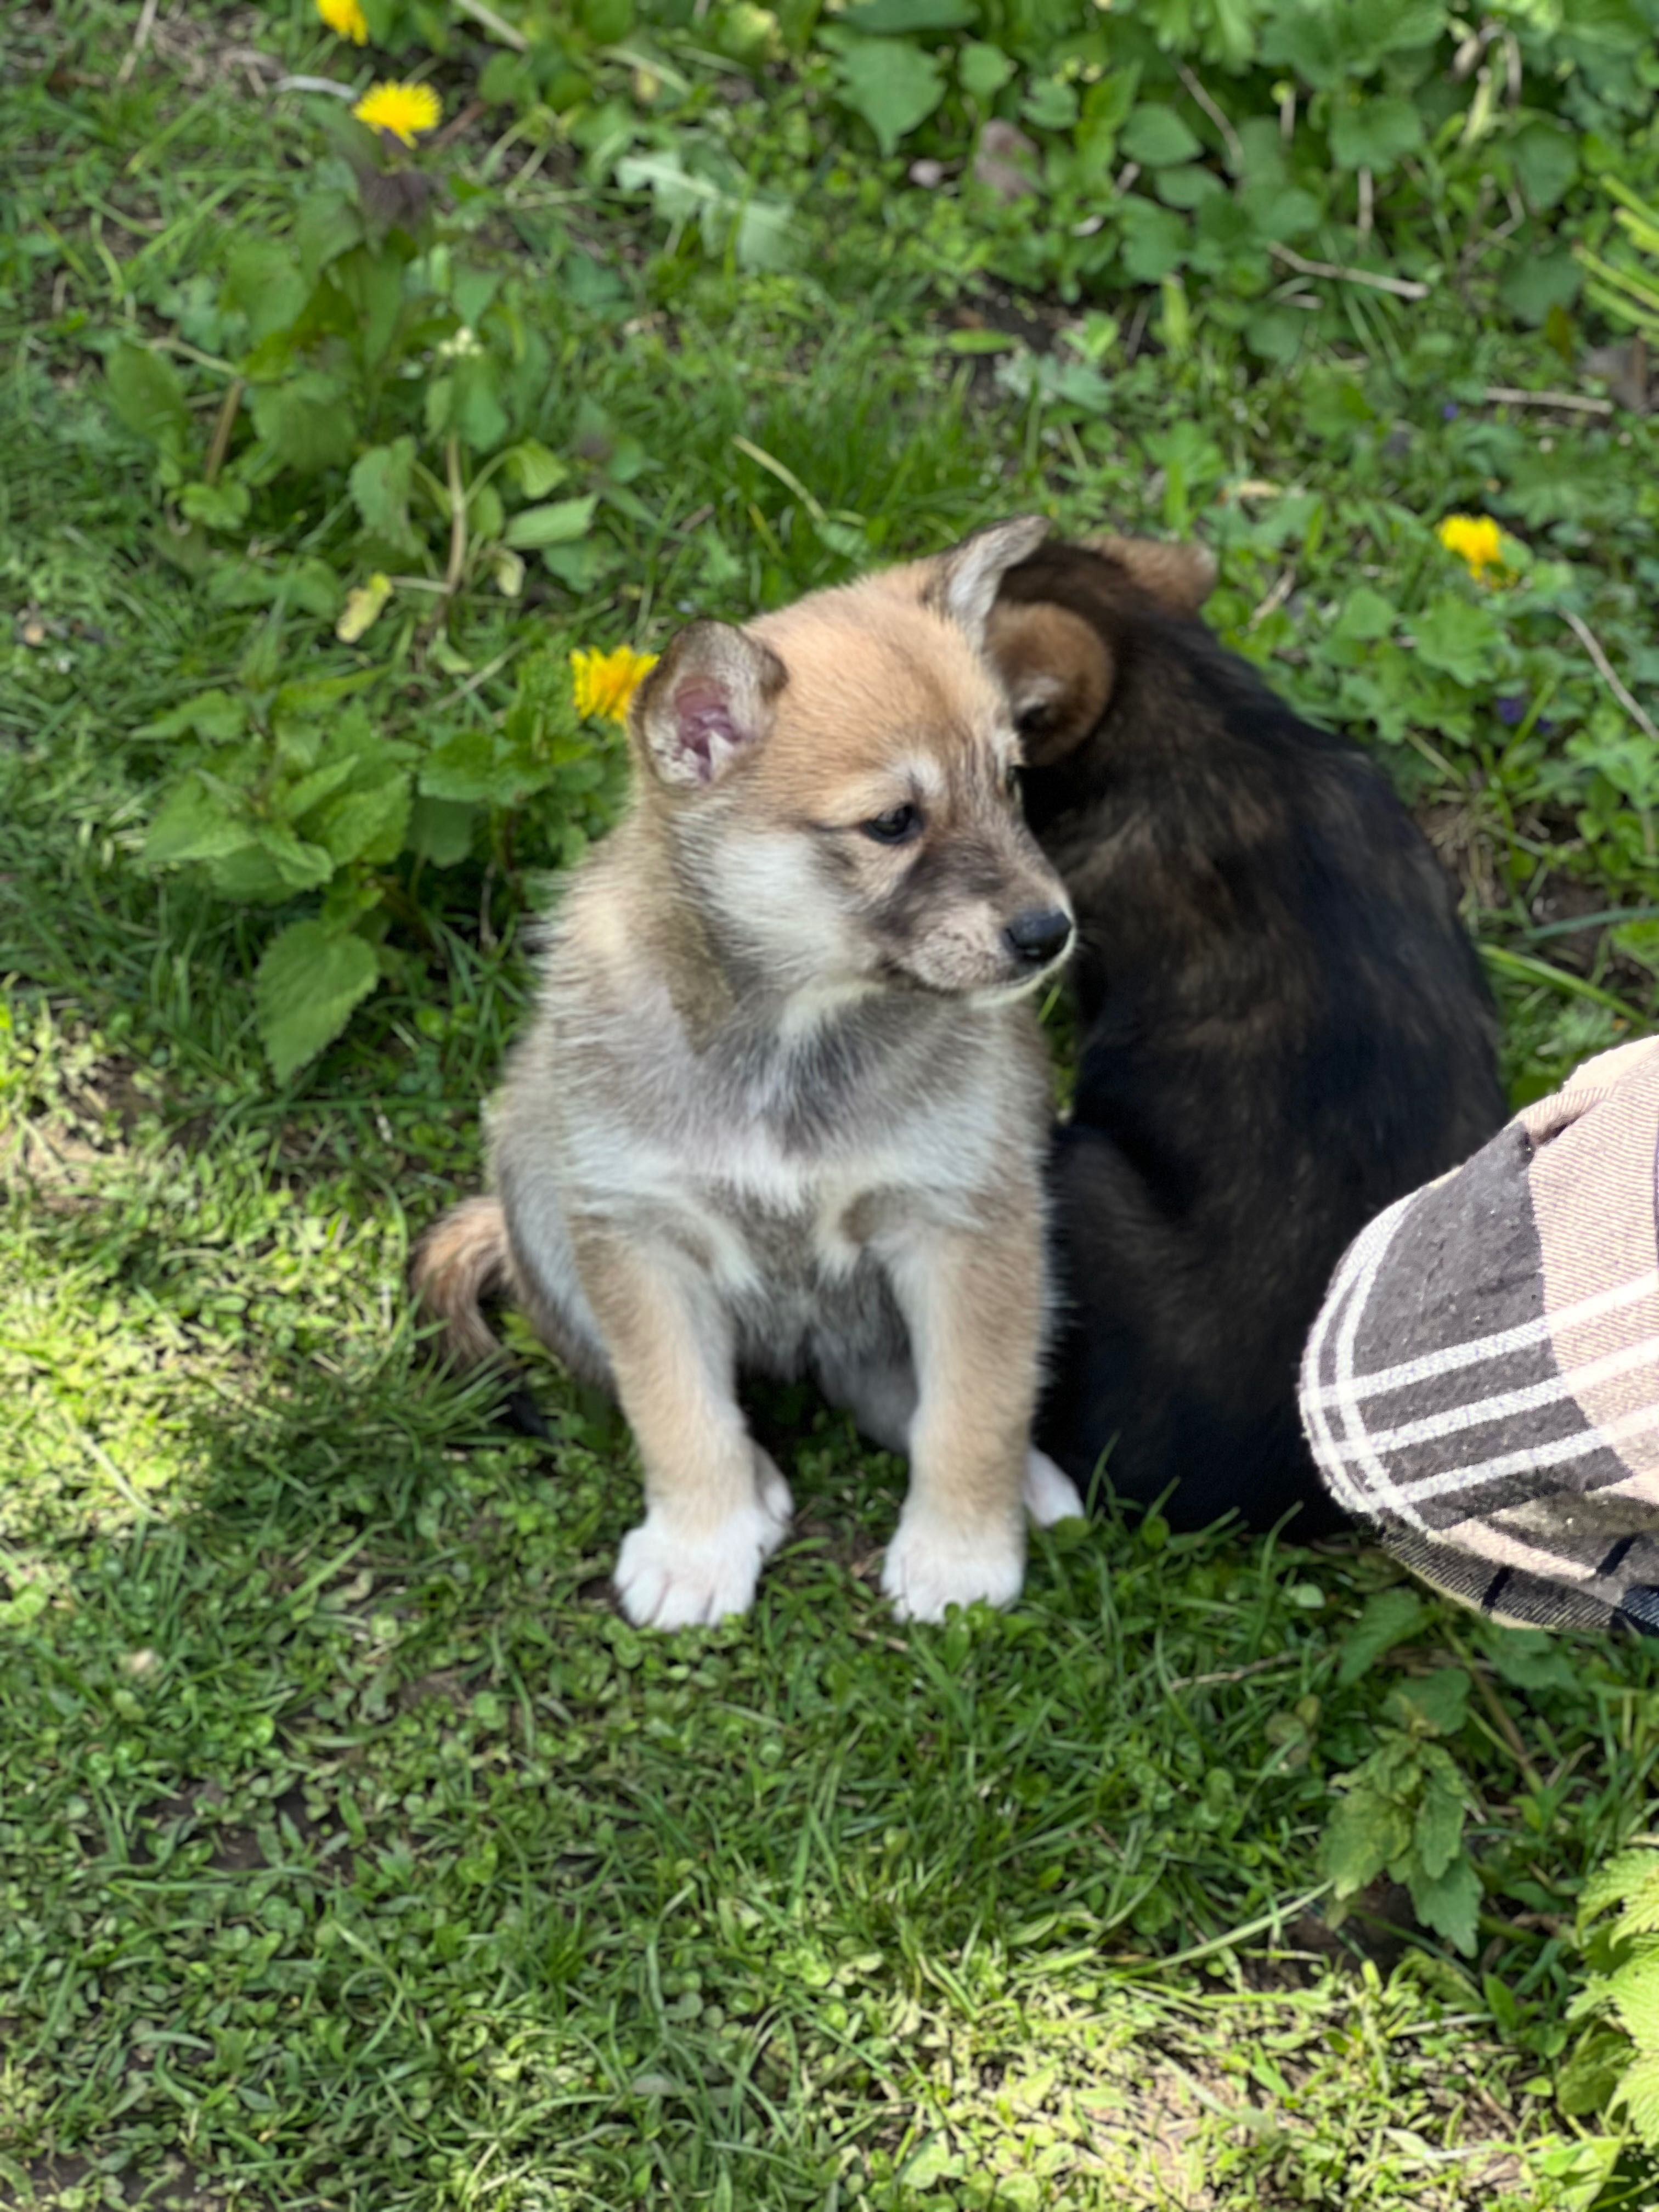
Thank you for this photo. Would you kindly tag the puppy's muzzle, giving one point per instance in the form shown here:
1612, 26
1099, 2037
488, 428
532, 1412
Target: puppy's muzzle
1038, 937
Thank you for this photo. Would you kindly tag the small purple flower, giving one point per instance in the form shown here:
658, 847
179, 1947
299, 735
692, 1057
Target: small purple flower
1513, 710
1449, 412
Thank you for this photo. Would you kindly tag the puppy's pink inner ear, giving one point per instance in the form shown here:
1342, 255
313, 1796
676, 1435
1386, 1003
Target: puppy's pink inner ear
705, 727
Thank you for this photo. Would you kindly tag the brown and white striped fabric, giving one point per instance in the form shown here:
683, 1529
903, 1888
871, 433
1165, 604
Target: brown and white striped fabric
1482, 1384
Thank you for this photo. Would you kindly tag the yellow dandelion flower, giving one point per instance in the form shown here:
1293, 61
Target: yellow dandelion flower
605, 682
402, 109
1476, 540
346, 19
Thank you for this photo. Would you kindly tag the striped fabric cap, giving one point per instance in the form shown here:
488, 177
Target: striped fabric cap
1483, 1379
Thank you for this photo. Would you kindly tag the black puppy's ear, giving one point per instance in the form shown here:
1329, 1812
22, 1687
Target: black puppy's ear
1179, 577
1057, 669
707, 705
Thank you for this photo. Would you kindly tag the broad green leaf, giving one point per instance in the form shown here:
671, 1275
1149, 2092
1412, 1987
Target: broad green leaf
764, 237
1375, 132
1365, 1831
891, 83
1639, 2093
307, 421
328, 225
1437, 1831
366, 825
1156, 137
223, 506
302, 865
1440, 1701
218, 716
1156, 240
1530, 1660
1621, 1877
461, 767
379, 484
476, 408
533, 469
441, 830
263, 284
145, 393
1537, 283
1366, 616
1545, 157
1389, 1618
195, 823
1634, 1990
1450, 1902
306, 988
558, 524
1458, 638
982, 70
890, 15
312, 789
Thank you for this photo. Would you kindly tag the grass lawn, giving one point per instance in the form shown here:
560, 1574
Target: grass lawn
353, 1852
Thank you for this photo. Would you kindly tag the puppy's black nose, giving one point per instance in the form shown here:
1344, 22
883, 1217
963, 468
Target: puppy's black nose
1040, 935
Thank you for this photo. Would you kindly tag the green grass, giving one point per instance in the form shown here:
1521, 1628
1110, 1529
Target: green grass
352, 1851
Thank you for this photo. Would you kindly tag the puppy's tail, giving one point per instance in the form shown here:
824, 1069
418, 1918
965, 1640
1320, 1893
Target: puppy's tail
463, 1259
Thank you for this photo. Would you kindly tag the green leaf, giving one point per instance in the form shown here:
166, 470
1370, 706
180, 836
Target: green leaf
306, 421
195, 823
1458, 638
1535, 284
1376, 131
1622, 1877
1365, 1831
145, 393
441, 830
1545, 157
1389, 1618
1437, 1831
327, 226
1155, 242
982, 70
301, 865
476, 408
217, 506
889, 15
533, 469
1639, 2093
380, 481
891, 83
1589, 2081
1439, 1703
558, 524
1156, 137
366, 825
263, 282
1529, 1660
1634, 1992
1450, 1902
218, 716
304, 992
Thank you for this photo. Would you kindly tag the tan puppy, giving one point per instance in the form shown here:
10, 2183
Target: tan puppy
784, 1105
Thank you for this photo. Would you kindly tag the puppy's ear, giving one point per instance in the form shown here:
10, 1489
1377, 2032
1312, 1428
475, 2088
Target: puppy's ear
1179, 577
707, 705
962, 583
1057, 670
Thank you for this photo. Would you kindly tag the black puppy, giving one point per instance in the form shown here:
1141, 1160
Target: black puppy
1282, 1027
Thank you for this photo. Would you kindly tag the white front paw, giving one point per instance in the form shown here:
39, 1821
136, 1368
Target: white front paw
932, 1564
666, 1579
1049, 1494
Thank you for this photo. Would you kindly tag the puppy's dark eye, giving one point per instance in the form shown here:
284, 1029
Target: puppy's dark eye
1031, 721
897, 827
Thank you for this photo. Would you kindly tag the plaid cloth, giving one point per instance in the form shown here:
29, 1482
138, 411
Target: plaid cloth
1482, 1382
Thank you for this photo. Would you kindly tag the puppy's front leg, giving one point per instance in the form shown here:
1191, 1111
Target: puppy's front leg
716, 1507
974, 1303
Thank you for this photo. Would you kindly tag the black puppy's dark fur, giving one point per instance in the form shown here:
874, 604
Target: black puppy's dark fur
1282, 1028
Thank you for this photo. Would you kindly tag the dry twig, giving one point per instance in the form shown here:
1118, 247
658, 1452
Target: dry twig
1403, 288
1605, 669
